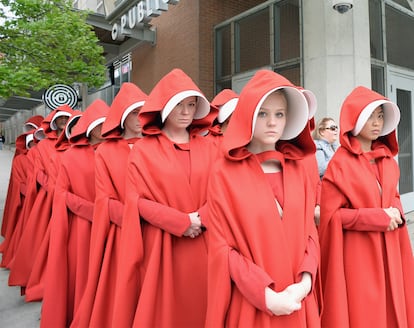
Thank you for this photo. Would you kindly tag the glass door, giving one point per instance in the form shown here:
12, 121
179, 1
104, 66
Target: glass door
401, 86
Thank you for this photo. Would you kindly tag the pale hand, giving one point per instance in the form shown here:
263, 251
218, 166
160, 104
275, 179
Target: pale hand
281, 303
301, 289
288, 300
194, 229
395, 216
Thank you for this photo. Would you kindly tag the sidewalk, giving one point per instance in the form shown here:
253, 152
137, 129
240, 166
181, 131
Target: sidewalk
14, 311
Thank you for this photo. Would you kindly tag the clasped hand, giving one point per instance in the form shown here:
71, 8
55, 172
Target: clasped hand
395, 216
288, 300
194, 229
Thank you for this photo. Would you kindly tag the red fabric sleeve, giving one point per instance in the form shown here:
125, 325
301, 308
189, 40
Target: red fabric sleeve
116, 209
397, 204
310, 261
250, 279
164, 217
79, 206
364, 219
203, 212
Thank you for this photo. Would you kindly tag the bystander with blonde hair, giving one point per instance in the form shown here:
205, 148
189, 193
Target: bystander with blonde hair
325, 136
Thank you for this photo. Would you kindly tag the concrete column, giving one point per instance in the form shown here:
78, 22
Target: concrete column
336, 53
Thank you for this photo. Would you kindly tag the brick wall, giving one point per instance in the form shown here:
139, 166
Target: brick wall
214, 12
185, 38
176, 46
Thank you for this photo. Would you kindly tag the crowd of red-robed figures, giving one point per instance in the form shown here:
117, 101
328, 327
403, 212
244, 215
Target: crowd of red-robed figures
64, 176
73, 219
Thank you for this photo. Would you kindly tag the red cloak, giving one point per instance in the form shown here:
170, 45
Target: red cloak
68, 254
366, 275
162, 277
14, 239
31, 189
16, 192
35, 283
70, 226
244, 219
36, 210
20, 149
16, 172
110, 170
38, 218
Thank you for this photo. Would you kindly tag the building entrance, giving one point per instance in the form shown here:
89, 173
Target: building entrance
401, 86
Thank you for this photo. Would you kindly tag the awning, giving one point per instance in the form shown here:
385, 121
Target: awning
115, 49
12, 105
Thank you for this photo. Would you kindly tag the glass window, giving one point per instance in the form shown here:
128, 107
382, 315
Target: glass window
252, 41
405, 155
399, 37
100, 8
125, 69
122, 70
269, 36
223, 51
109, 6
292, 73
223, 85
287, 31
377, 79
117, 76
403, 3
375, 29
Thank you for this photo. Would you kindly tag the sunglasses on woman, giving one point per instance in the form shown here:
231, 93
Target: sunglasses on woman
332, 128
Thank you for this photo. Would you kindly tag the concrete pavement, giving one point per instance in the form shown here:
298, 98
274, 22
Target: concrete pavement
14, 311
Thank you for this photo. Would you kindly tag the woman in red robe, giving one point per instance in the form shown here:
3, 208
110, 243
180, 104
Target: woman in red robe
35, 283
31, 190
38, 213
263, 243
68, 256
23, 144
367, 263
162, 275
33, 123
121, 130
16, 193
225, 101
29, 199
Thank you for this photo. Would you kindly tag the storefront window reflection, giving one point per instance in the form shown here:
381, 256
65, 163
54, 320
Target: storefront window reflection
122, 70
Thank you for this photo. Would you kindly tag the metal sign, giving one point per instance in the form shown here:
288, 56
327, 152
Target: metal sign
60, 94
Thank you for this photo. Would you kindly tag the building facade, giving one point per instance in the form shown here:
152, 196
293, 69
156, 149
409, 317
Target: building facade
220, 44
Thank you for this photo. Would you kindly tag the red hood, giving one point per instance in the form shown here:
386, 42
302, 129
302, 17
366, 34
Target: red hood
21, 142
224, 96
128, 98
352, 107
239, 131
96, 110
169, 86
62, 142
33, 122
